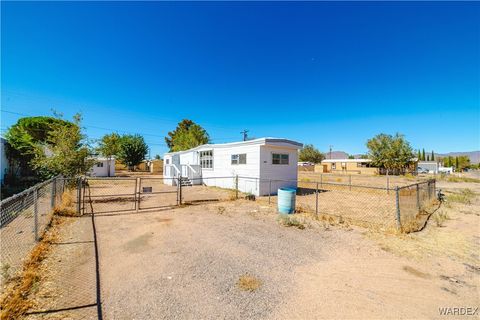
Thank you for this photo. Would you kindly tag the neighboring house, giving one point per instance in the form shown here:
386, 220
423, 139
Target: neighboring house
102, 167
447, 170
305, 164
261, 160
156, 166
427, 167
4, 161
358, 166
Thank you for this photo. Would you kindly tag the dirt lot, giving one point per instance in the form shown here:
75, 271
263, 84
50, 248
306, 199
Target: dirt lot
186, 263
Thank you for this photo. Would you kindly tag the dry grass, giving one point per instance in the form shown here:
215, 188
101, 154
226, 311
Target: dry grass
460, 179
440, 217
16, 298
248, 283
66, 207
465, 196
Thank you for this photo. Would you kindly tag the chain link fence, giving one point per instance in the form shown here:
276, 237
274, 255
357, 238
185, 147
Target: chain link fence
369, 205
24, 218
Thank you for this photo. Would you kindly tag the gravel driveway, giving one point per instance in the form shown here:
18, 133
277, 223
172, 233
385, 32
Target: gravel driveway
185, 264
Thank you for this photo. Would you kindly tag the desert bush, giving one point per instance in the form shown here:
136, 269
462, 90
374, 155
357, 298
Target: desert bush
440, 217
288, 221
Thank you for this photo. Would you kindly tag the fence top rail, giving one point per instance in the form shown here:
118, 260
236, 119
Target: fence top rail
417, 184
28, 191
319, 182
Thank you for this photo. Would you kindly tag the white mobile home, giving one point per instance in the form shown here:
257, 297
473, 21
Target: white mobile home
255, 162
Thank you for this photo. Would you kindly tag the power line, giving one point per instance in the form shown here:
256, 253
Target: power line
115, 130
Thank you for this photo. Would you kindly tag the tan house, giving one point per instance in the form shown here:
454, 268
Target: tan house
346, 166
153, 166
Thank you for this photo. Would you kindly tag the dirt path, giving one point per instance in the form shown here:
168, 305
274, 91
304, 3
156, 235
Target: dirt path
185, 264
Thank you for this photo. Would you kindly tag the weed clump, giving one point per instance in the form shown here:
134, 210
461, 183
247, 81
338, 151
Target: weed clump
288, 221
248, 283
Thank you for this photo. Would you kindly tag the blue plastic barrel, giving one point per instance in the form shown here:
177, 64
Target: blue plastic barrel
286, 200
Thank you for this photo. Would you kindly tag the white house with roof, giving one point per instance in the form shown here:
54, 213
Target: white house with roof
103, 167
256, 162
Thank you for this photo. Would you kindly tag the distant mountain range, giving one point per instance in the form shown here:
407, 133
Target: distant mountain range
473, 155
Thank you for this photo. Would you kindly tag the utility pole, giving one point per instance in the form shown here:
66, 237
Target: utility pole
244, 132
331, 151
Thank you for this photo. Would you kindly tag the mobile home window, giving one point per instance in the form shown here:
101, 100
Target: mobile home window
99, 164
206, 159
279, 158
344, 165
239, 158
334, 166
167, 161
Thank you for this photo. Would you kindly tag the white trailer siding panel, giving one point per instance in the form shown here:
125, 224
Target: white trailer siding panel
222, 167
275, 172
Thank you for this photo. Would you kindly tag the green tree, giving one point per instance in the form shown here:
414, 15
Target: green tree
22, 139
64, 151
351, 157
428, 157
157, 157
393, 153
310, 154
133, 150
186, 135
457, 167
423, 154
463, 162
432, 157
109, 146
419, 155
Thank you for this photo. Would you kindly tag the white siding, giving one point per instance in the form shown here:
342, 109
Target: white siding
222, 167
97, 171
269, 171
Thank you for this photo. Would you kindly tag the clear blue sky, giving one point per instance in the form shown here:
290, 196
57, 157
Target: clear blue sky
317, 72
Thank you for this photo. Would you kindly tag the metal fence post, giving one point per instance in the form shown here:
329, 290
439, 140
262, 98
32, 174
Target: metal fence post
388, 184
236, 186
53, 193
180, 190
35, 213
316, 200
137, 192
429, 190
418, 196
269, 190
79, 194
321, 180
397, 201
350, 181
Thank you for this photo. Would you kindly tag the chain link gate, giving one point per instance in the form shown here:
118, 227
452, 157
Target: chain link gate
118, 195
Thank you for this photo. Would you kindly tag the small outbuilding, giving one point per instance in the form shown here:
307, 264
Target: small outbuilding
256, 162
103, 167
